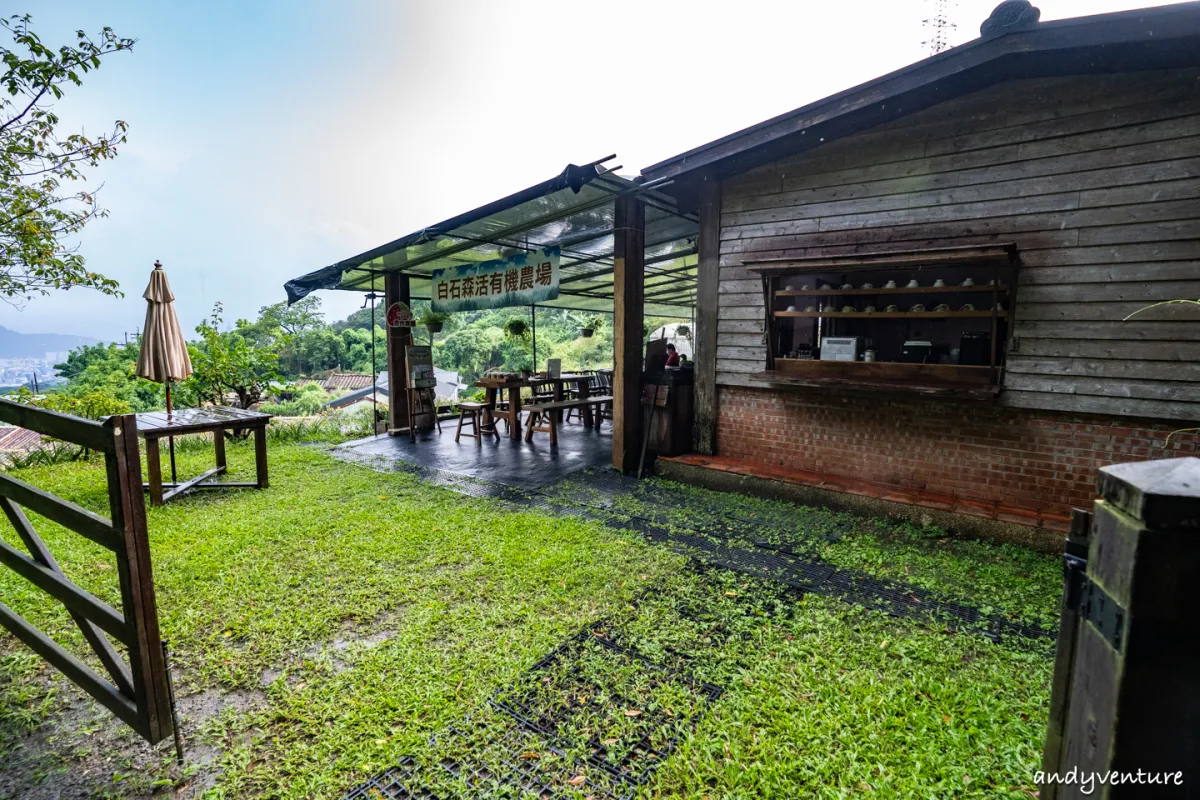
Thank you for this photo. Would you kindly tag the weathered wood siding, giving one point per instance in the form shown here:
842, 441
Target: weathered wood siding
1097, 181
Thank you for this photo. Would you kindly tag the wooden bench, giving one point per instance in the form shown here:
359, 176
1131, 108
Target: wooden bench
543, 418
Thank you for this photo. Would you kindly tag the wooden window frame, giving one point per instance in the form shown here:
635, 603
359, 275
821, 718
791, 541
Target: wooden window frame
944, 379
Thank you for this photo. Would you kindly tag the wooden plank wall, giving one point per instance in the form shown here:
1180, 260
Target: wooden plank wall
1096, 179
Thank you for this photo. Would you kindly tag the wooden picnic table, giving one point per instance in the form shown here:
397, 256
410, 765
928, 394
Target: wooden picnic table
513, 386
154, 425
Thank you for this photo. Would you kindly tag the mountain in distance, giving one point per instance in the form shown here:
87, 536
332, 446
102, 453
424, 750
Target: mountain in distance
36, 345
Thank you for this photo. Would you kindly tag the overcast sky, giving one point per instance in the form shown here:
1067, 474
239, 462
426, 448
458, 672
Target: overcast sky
267, 139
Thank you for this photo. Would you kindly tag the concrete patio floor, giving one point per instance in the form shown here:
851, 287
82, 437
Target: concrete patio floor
512, 463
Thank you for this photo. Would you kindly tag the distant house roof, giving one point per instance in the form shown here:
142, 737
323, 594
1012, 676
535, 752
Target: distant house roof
347, 380
339, 380
19, 440
447, 389
1013, 45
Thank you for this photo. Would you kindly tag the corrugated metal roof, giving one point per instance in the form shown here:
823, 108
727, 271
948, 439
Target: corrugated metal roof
19, 440
573, 211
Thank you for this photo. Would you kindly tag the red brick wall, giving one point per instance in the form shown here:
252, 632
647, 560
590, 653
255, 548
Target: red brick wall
1040, 459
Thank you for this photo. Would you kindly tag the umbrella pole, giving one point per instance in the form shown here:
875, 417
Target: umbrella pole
171, 439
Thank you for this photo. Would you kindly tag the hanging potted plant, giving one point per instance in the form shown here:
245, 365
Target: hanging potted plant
433, 320
684, 331
516, 329
590, 326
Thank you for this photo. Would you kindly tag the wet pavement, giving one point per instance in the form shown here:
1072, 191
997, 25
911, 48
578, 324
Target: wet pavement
517, 464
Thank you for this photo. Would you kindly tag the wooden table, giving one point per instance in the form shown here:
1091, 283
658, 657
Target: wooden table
513, 386
154, 425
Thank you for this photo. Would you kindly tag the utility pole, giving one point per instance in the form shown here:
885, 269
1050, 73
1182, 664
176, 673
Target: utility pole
939, 26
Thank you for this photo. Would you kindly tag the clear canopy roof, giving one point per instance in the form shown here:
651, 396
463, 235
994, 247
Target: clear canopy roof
574, 210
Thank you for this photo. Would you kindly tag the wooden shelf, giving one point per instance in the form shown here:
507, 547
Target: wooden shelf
897, 290
892, 314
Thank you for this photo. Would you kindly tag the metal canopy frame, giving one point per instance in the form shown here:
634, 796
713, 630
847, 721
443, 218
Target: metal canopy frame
573, 211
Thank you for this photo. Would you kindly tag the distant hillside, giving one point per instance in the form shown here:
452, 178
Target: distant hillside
36, 345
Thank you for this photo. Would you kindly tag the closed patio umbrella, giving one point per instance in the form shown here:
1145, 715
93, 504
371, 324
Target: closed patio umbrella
163, 356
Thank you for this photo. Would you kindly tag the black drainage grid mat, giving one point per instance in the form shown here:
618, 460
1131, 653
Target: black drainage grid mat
620, 711
592, 719
502, 760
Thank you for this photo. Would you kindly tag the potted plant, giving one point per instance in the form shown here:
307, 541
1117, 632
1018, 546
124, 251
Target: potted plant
433, 320
525, 368
684, 331
590, 326
516, 329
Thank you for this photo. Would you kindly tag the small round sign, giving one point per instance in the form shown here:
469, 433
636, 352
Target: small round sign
399, 316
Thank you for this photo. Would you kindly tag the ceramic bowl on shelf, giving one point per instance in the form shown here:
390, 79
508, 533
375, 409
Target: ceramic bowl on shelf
942, 307
810, 309
939, 283
917, 309
991, 283
892, 309
999, 306
869, 310
825, 287
867, 286
847, 309
789, 288
968, 282
968, 307
890, 285
847, 287
806, 288
913, 284
791, 308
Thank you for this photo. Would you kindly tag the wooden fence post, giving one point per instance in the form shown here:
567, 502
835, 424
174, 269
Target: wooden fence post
1135, 695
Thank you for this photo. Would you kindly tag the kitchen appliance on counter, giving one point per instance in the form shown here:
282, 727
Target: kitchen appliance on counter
802, 351
841, 348
975, 349
917, 351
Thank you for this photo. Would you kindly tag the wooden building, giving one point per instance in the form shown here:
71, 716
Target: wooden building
1058, 161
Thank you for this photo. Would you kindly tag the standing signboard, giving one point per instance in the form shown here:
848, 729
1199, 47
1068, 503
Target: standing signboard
520, 280
420, 367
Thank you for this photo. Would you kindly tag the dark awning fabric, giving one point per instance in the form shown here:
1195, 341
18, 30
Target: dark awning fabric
573, 210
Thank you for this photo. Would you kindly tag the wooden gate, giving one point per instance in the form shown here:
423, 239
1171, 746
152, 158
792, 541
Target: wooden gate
136, 691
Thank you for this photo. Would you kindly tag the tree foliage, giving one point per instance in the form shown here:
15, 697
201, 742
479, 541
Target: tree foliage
227, 364
109, 369
37, 214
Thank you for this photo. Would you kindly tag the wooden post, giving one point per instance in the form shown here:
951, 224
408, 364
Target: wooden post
628, 268
707, 280
127, 507
1134, 702
396, 290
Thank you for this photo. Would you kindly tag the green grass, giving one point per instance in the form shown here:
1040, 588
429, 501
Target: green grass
348, 615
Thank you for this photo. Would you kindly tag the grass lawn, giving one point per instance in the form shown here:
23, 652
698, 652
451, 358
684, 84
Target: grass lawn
328, 627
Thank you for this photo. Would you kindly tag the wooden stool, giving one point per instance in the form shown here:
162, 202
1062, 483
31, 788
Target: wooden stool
473, 412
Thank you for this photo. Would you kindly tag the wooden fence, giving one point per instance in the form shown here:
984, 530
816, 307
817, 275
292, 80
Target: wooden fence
136, 689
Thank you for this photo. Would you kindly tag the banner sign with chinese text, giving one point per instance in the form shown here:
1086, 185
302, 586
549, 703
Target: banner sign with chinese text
519, 280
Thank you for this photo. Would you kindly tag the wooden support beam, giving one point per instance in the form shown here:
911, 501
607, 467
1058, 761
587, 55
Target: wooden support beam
628, 274
707, 296
396, 290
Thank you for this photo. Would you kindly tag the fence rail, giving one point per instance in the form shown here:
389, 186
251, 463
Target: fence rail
136, 690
